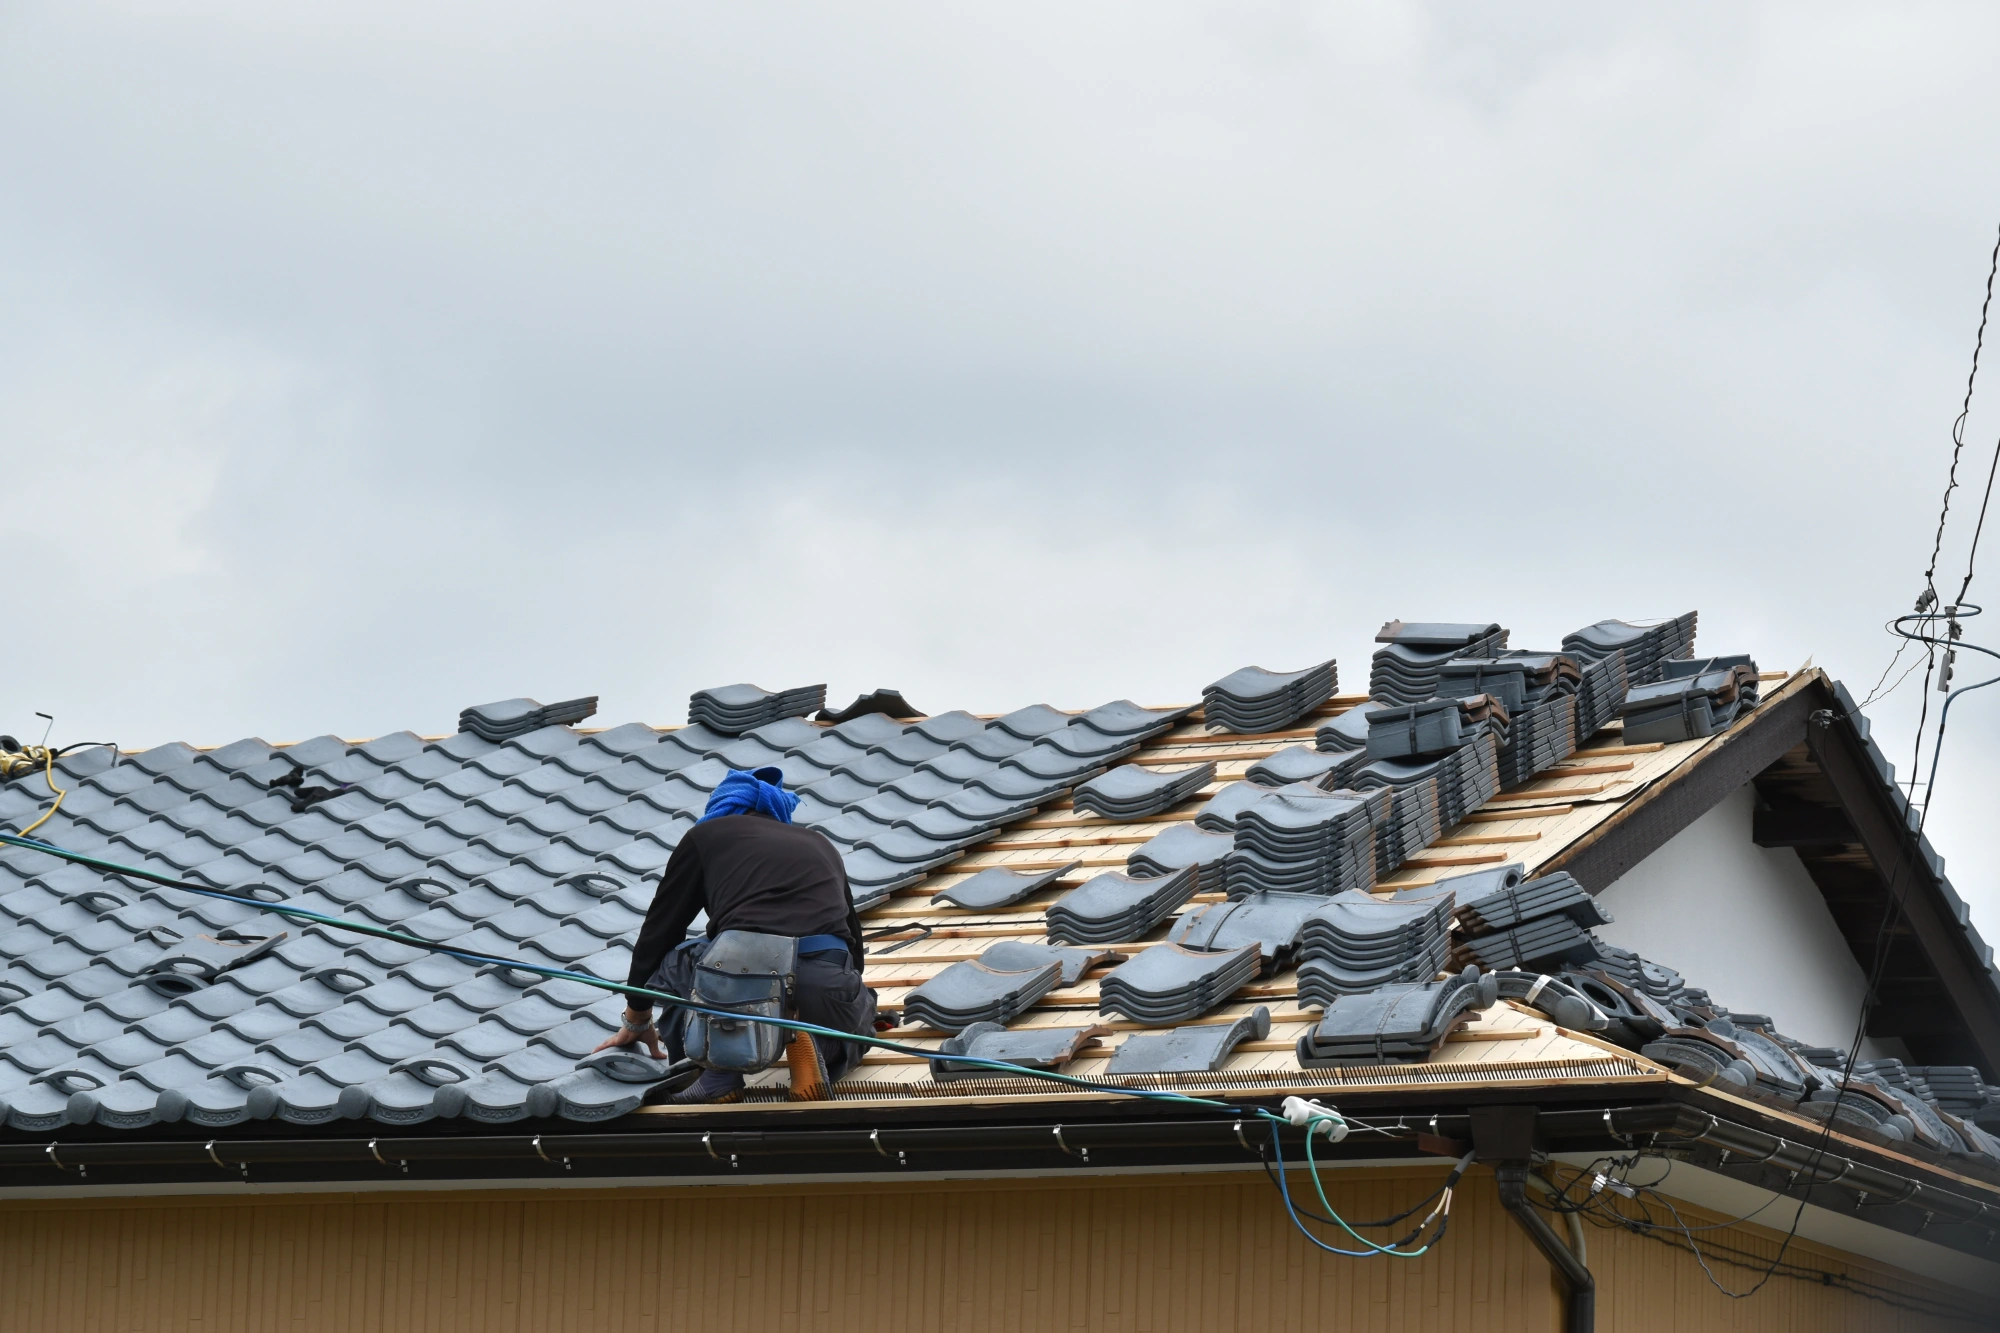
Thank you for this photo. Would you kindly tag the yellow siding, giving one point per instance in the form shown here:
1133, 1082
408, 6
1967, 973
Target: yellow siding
1148, 1253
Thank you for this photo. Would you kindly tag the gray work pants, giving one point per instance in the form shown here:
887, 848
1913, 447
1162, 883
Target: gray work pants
829, 995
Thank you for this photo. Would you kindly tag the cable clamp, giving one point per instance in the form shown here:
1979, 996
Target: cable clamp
1315, 1118
1083, 1153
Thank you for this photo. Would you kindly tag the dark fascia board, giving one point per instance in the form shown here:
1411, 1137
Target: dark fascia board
1819, 712
1646, 822
1886, 823
1943, 1205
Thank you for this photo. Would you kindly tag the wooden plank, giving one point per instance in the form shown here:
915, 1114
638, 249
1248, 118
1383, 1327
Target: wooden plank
1483, 839
1464, 859
1487, 816
1586, 770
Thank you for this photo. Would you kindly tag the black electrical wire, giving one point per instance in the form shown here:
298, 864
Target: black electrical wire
1680, 1237
1450, 1180
1958, 430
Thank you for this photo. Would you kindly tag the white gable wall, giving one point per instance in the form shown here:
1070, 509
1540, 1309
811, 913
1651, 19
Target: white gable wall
1745, 923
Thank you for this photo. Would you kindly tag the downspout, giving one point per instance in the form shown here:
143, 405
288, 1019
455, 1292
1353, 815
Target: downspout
1504, 1136
1580, 1301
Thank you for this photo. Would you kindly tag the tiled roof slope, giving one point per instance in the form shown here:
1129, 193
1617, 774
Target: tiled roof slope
125, 1007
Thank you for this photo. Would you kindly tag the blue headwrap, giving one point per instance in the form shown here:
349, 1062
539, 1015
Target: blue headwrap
758, 792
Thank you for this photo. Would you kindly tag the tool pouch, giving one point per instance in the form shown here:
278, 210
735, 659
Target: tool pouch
748, 973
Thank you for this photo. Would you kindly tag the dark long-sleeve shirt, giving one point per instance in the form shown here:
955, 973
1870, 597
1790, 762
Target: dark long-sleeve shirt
750, 873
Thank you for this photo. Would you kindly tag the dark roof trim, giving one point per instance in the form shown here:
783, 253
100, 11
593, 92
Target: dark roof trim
1818, 713
1720, 1136
1648, 821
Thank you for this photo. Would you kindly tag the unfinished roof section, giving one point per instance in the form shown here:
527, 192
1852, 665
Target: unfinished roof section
122, 1008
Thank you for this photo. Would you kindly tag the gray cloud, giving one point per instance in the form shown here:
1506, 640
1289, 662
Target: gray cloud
360, 362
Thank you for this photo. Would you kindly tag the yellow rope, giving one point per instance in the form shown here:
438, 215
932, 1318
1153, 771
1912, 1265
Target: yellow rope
48, 758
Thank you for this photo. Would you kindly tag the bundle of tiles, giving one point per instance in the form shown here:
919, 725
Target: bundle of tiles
1356, 942
1657, 981
1169, 983
1415, 809
1536, 925
1896, 1074
1252, 700
1219, 813
1600, 693
1406, 670
1303, 840
1113, 908
1299, 763
1395, 1023
972, 992
1274, 922
1465, 779
502, 722
1184, 847
1958, 1089
735, 709
1537, 739
1349, 731
1132, 791
1644, 647
1519, 680
1435, 726
1693, 699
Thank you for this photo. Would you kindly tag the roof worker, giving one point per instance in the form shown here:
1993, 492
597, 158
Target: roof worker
783, 939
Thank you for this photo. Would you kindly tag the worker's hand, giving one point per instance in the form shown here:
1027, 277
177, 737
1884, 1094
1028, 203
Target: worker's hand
625, 1036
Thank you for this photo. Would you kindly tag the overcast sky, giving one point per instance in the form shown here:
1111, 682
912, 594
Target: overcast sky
362, 362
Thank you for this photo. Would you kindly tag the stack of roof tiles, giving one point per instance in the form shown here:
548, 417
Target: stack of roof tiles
1184, 847
735, 709
1436, 726
1406, 670
1460, 781
1355, 942
1694, 698
1300, 763
502, 722
1274, 922
1304, 840
1253, 700
1643, 647
1347, 733
1112, 908
974, 991
1400, 1022
1536, 925
1169, 983
1600, 693
1133, 792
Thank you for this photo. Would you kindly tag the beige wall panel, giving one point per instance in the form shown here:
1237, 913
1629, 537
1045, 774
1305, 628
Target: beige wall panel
1205, 1252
